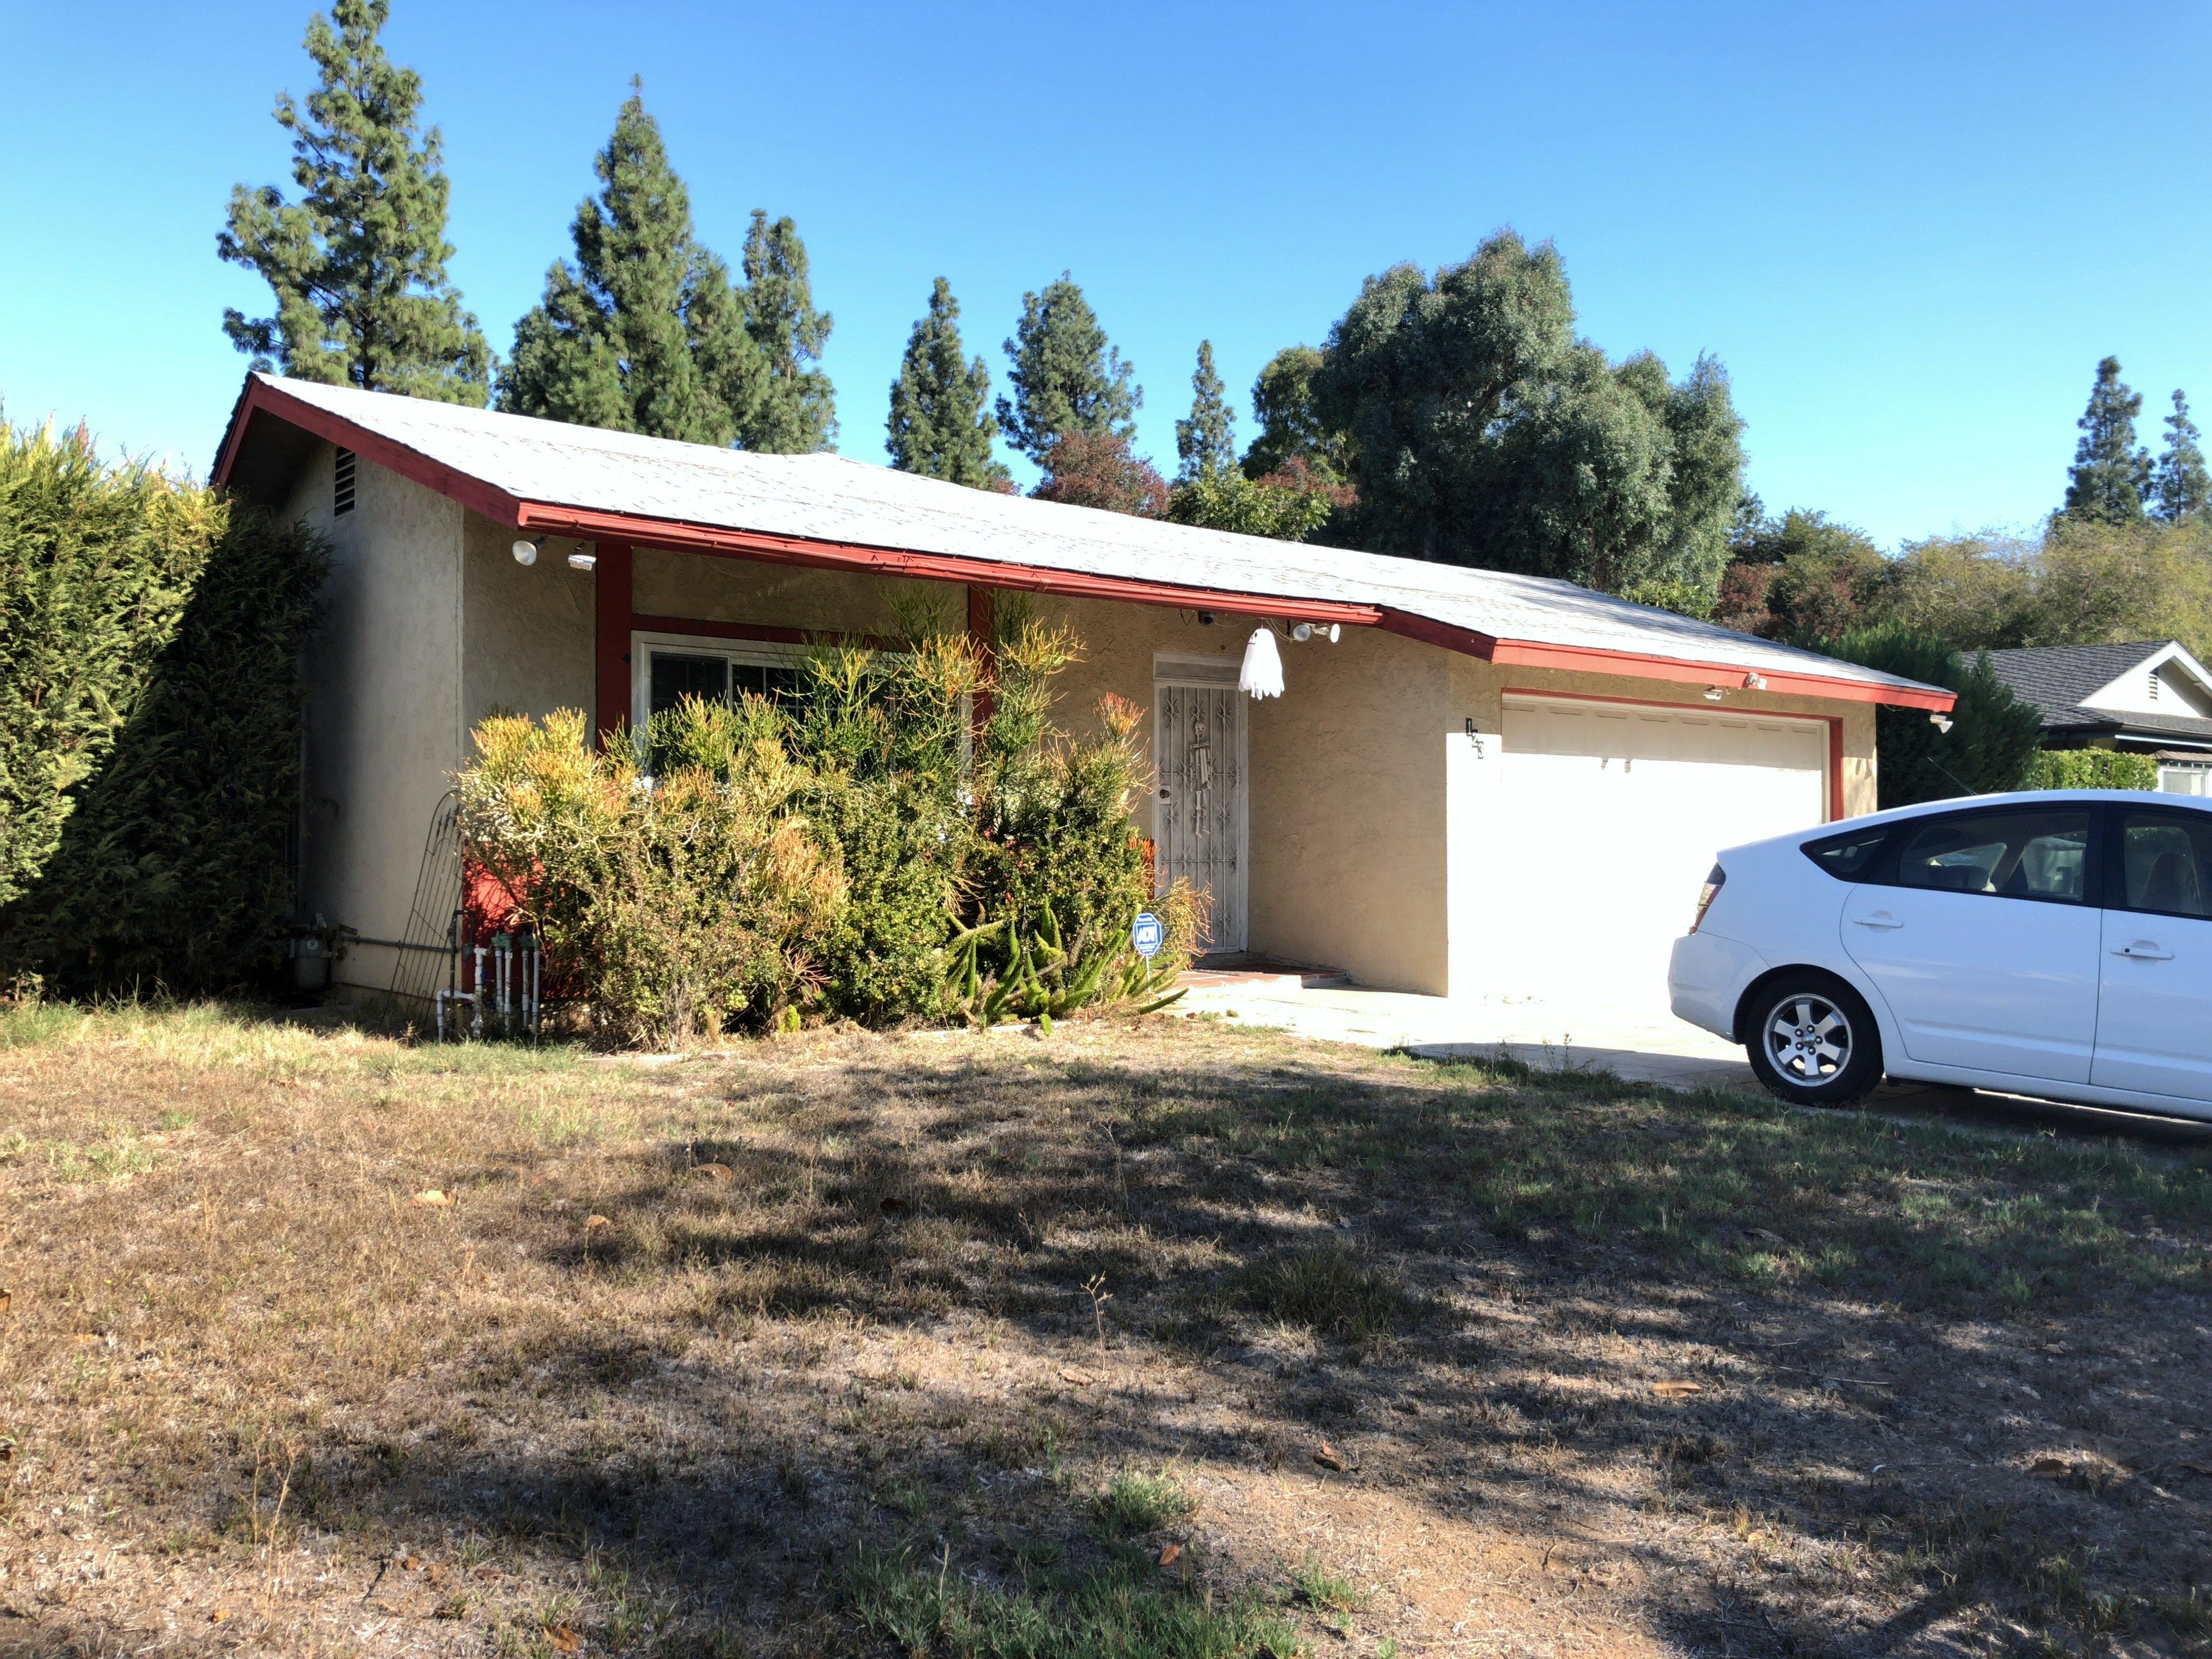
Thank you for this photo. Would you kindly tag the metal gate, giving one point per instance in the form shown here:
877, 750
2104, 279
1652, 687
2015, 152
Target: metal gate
1200, 815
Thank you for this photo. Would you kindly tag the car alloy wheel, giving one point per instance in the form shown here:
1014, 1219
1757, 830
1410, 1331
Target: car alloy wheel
1808, 1040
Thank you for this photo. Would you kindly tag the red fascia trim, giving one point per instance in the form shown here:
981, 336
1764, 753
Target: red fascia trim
262, 398
1833, 722
1525, 654
930, 567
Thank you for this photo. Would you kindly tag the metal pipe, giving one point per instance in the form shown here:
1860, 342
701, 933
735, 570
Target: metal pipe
399, 944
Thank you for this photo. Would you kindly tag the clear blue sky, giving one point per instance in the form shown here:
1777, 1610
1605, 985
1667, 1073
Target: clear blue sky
1909, 230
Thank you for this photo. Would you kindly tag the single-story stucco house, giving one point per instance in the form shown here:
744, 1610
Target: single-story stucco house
1473, 783
2151, 697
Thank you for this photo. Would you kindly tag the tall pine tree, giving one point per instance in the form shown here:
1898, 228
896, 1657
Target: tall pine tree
1067, 378
358, 263
2111, 474
1206, 444
2180, 479
643, 332
940, 426
798, 410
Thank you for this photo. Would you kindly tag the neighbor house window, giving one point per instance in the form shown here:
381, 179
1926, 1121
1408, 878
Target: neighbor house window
2182, 779
342, 481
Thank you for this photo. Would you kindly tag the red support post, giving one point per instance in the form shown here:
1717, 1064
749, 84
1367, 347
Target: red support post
611, 581
982, 631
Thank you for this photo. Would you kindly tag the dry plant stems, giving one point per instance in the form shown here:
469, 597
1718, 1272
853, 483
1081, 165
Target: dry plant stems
1946, 1369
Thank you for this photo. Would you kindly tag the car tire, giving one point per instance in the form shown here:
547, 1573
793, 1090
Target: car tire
1812, 1040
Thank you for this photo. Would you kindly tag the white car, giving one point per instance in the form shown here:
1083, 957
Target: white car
2057, 945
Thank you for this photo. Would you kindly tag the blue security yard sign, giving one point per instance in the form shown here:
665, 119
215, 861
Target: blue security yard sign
1147, 935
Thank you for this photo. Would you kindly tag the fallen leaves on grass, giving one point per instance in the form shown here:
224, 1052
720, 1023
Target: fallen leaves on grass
719, 1174
593, 1224
7, 1300
1676, 1388
563, 1639
430, 1197
1329, 1459
1081, 1379
1169, 1554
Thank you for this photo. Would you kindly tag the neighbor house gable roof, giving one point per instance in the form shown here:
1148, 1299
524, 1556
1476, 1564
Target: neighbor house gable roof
2063, 682
823, 509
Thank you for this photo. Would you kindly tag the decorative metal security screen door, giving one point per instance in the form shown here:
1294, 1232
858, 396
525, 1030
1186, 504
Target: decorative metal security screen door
1199, 814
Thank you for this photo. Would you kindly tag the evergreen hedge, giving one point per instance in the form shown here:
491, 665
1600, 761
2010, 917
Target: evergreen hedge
150, 721
2091, 769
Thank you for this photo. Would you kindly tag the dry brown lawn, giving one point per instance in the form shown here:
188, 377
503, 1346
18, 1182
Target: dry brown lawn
1166, 1340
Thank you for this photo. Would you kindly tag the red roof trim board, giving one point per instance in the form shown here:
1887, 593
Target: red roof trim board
262, 399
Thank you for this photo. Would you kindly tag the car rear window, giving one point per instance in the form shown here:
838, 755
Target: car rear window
1849, 857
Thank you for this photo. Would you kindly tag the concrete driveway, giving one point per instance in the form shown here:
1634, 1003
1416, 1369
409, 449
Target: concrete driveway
1637, 1044
1642, 1045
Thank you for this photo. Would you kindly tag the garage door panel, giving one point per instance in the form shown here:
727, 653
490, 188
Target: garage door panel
1609, 816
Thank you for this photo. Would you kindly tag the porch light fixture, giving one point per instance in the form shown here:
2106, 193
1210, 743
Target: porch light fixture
1714, 694
1304, 631
526, 551
1942, 722
1754, 681
583, 560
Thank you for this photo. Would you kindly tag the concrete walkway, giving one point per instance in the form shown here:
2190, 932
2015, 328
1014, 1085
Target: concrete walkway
1643, 1046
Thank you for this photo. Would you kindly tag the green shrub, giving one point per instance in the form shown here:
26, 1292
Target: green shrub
686, 906
2091, 768
150, 721
858, 851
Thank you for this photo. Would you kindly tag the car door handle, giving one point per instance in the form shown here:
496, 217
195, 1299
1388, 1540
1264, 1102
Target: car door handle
2144, 950
1880, 919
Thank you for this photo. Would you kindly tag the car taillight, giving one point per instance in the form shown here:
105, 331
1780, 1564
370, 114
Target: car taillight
1714, 882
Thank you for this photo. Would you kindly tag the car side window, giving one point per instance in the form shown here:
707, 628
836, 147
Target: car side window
2032, 855
1850, 856
2165, 862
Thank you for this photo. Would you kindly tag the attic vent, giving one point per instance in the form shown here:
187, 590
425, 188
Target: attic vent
2154, 685
342, 491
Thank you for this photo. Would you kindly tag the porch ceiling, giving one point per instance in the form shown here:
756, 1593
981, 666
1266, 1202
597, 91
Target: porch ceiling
827, 511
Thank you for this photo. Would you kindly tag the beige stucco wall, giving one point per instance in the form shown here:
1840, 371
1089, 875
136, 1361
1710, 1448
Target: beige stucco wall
711, 589
527, 631
384, 707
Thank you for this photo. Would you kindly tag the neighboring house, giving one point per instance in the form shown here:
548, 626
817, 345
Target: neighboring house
1473, 783
2148, 698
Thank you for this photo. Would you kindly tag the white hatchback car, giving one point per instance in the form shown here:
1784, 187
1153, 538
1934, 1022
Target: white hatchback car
2057, 945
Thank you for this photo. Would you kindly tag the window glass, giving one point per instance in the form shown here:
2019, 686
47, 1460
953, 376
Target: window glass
2034, 855
764, 680
680, 674
2167, 858
1848, 858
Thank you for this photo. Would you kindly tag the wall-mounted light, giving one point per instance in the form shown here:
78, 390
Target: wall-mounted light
1754, 681
583, 560
1940, 722
1714, 694
526, 551
1304, 631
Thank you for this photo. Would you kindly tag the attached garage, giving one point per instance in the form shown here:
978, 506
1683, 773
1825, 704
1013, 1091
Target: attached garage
1603, 818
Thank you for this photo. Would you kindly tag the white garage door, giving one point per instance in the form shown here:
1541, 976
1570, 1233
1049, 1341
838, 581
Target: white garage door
1611, 815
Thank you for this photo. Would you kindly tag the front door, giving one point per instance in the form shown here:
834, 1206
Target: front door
2155, 1024
1198, 812
1981, 939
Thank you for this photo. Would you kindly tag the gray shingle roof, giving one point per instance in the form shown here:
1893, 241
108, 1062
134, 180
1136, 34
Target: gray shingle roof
2055, 678
826, 498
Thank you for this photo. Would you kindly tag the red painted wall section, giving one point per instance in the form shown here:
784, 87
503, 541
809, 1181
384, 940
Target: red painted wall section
611, 601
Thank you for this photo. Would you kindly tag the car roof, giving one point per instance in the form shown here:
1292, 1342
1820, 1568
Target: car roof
1968, 803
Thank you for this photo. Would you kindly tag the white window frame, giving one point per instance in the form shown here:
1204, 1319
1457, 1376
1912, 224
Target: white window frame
750, 653
2170, 774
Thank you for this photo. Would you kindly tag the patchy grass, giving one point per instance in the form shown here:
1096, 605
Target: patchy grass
1168, 1339
1142, 1503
